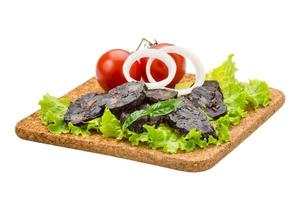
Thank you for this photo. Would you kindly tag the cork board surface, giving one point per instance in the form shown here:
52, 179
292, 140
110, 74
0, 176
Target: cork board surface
31, 128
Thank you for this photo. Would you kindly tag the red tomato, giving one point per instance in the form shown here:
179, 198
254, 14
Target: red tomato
159, 70
109, 70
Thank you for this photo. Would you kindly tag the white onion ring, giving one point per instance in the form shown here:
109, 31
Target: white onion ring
151, 53
200, 73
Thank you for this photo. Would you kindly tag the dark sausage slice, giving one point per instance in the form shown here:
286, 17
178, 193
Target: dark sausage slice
209, 98
187, 117
156, 95
87, 107
126, 96
214, 85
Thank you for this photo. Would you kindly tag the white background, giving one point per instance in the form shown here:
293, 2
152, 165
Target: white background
52, 46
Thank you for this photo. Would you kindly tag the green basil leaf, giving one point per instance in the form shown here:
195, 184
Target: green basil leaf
155, 110
163, 107
133, 117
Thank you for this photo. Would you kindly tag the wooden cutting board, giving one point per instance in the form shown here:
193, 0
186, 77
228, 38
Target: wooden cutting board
31, 128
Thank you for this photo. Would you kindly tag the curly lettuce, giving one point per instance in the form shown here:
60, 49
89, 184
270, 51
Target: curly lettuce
258, 93
111, 126
52, 113
224, 74
238, 96
168, 140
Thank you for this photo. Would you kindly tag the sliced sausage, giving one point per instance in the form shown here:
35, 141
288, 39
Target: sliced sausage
85, 108
209, 98
125, 97
187, 117
156, 95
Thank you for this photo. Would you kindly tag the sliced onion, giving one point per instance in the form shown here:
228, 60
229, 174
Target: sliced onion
200, 73
151, 53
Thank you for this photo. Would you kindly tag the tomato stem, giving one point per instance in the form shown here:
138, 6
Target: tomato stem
147, 44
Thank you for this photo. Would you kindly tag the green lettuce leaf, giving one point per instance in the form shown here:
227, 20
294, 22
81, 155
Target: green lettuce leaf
222, 127
191, 140
168, 140
136, 138
224, 74
78, 130
94, 124
239, 96
235, 96
258, 93
161, 137
111, 126
52, 113
236, 102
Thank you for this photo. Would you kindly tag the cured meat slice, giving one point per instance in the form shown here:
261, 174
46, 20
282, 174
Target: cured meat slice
125, 97
156, 95
85, 108
209, 98
187, 117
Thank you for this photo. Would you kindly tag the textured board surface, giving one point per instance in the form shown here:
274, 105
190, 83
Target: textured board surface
31, 128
